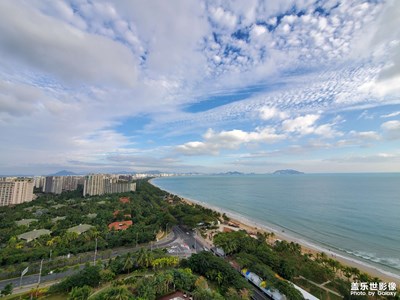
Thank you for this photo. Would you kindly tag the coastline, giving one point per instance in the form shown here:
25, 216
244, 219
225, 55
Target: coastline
306, 246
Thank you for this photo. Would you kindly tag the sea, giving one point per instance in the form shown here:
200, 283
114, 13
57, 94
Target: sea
356, 216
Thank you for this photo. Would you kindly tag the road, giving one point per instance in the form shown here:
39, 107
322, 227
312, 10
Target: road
176, 235
176, 238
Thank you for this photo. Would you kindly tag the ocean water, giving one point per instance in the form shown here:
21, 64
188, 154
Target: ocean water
352, 215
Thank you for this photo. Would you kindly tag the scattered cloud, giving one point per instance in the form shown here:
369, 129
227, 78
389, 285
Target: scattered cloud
391, 129
302, 125
268, 113
391, 115
214, 142
365, 135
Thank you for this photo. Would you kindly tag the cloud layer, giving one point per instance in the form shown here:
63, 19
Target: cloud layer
189, 84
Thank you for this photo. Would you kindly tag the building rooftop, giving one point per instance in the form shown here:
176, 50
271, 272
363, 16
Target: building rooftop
175, 296
25, 222
81, 228
121, 225
56, 219
124, 200
31, 208
34, 234
91, 216
58, 206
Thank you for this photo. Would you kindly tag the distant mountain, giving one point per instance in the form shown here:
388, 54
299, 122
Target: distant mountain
231, 173
154, 172
125, 172
64, 173
287, 172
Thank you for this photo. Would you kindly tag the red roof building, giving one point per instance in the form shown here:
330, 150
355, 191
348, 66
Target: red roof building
122, 225
124, 200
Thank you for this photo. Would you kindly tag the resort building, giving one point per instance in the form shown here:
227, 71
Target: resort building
81, 228
124, 200
56, 219
25, 222
15, 191
34, 234
121, 225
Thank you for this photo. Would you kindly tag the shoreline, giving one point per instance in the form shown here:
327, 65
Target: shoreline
307, 247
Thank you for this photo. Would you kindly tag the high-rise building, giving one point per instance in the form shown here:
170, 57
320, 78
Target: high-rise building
53, 184
100, 184
94, 185
15, 191
39, 181
70, 183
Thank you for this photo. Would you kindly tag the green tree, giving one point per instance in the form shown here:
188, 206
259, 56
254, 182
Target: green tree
129, 262
7, 290
80, 293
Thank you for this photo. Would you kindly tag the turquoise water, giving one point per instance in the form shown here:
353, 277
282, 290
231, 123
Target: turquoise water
357, 215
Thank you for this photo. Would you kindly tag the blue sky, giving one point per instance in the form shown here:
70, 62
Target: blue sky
199, 86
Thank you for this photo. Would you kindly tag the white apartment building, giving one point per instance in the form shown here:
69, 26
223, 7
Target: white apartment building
100, 184
94, 185
53, 184
15, 191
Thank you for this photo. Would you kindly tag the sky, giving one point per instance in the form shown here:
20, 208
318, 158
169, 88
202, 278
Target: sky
199, 86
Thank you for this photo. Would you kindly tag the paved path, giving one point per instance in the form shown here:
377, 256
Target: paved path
321, 286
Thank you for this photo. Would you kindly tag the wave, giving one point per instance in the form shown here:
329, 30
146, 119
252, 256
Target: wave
391, 262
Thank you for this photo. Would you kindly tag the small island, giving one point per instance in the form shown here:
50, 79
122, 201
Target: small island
287, 172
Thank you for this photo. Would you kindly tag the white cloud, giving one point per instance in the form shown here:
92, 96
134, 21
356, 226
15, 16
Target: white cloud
302, 125
233, 139
223, 17
58, 49
267, 113
391, 115
365, 135
305, 125
392, 129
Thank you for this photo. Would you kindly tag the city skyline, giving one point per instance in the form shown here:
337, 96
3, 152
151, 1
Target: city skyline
199, 86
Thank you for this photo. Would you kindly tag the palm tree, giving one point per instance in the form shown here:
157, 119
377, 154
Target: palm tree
347, 272
168, 280
140, 258
148, 258
129, 263
219, 278
119, 293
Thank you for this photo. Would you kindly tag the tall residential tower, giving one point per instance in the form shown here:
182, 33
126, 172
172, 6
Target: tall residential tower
15, 191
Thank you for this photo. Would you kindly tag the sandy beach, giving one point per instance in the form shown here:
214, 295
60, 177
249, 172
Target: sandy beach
254, 227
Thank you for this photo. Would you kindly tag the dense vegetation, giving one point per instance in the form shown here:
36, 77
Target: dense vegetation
148, 208
144, 278
280, 262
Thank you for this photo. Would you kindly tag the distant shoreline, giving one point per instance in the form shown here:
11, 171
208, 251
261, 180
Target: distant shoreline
307, 247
